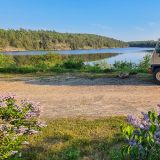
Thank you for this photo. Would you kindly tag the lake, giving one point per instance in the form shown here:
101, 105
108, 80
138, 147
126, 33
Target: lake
131, 54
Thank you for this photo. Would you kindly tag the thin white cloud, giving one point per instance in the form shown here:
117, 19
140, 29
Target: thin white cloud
102, 27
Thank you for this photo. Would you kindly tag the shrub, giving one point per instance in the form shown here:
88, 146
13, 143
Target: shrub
68, 65
95, 68
132, 68
24, 69
124, 66
6, 61
49, 59
57, 68
73, 63
143, 137
145, 63
16, 121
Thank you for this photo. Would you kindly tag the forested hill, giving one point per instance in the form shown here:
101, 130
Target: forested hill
151, 44
50, 40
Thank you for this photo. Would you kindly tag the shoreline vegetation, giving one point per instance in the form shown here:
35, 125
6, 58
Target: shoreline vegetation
13, 49
55, 63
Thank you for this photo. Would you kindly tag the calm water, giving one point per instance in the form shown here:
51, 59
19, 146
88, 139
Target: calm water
134, 55
125, 54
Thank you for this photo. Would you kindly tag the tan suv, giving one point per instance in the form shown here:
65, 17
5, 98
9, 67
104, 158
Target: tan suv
155, 63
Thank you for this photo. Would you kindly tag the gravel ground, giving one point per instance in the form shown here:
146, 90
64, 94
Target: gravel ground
71, 96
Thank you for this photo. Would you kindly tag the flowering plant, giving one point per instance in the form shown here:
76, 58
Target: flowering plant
143, 135
16, 121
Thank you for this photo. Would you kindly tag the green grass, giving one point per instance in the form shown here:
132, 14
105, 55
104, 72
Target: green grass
89, 75
144, 77
77, 139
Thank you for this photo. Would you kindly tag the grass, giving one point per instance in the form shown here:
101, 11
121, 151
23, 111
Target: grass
144, 77
77, 139
89, 75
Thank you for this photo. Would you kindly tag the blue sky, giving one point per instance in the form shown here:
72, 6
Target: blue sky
121, 19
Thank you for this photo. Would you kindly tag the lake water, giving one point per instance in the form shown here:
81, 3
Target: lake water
134, 55
131, 54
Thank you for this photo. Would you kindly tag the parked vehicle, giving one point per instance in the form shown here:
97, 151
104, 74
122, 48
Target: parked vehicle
155, 64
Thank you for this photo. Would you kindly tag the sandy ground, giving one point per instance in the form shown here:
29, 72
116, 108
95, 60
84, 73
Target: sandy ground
71, 96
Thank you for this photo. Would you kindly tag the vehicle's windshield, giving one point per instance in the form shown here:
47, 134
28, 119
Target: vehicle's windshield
158, 47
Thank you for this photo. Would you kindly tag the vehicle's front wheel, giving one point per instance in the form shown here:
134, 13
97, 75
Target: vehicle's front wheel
156, 76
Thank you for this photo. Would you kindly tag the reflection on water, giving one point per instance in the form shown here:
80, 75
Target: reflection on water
135, 57
133, 54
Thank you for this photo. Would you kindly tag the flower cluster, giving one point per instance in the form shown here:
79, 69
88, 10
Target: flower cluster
17, 119
143, 135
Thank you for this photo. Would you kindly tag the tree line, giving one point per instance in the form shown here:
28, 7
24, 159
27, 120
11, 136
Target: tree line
151, 44
52, 40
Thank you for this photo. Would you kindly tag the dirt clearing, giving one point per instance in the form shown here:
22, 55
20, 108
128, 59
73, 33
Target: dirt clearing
71, 96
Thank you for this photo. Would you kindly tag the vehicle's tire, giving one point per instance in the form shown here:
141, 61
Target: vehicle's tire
156, 76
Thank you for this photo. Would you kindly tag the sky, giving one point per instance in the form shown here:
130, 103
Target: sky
121, 19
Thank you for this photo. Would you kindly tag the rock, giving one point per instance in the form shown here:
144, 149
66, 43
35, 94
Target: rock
123, 75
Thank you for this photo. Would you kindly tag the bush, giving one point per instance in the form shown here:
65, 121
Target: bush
120, 65
72, 63
49, 59
24, 69
124, 66
57, 68
6, 61
143, 137
144, 64
132, 68
16, 121
95, 68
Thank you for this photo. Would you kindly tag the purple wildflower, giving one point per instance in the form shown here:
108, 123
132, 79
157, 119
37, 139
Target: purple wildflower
14, 152
41, 124
32, 131
22, 119
22, 130
134, 121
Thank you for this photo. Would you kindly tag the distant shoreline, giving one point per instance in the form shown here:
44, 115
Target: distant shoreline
67, 49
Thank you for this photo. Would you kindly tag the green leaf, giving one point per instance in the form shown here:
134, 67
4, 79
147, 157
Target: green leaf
153, 128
